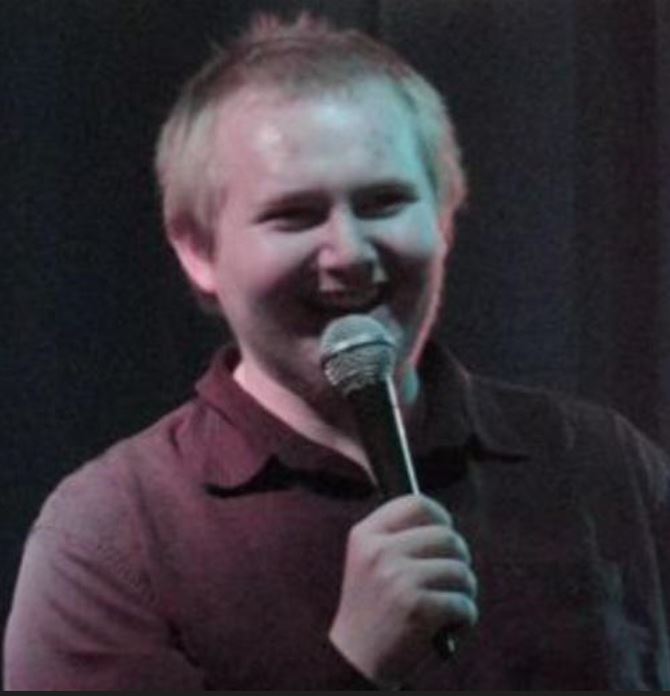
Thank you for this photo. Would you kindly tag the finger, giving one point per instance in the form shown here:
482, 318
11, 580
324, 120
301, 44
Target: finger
431, 541
405, 512
444, 575
436, 610
452, 611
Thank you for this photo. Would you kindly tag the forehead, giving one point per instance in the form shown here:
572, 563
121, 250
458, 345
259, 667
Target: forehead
344, 132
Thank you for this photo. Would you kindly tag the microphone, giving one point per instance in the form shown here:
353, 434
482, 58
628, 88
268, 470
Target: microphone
358, 356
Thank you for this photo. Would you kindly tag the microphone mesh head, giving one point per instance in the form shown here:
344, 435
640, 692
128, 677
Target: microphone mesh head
357, 351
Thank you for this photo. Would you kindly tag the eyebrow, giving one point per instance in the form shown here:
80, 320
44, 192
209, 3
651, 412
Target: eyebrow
396, 186
308, 197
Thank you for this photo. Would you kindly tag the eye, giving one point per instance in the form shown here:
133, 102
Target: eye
294, 218
384, 203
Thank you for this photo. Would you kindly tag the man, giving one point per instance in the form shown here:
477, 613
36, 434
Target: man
242, 542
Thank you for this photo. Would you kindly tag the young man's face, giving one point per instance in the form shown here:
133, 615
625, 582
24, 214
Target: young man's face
327, 211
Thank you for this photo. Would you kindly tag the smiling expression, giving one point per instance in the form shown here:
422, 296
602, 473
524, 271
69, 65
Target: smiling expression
326, 210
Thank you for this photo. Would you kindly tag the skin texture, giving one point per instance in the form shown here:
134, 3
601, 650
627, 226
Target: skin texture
327, 210
407, 575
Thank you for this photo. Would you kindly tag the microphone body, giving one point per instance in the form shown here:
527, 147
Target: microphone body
358, 357
382, 432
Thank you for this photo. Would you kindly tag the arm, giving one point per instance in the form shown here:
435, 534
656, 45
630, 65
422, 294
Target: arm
82, 620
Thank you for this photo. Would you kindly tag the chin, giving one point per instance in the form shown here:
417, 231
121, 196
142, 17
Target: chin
301, 372
404, 334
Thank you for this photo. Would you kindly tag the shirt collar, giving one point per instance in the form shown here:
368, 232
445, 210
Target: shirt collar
463, 410
460, 411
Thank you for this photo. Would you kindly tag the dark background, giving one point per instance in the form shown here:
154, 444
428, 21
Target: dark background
561, 276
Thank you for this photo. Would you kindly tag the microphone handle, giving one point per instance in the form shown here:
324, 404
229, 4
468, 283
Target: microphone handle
382, 433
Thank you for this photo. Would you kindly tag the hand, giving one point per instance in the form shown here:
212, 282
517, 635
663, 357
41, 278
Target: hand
407, 574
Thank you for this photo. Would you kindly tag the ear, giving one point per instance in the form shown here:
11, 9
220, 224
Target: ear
195, 258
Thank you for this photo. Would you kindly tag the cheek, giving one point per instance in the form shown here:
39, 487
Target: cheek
416, 242
262, 267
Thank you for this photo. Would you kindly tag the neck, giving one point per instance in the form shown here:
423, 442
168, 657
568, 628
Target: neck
329, 422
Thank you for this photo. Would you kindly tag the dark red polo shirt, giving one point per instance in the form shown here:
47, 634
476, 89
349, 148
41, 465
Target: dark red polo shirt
207, 551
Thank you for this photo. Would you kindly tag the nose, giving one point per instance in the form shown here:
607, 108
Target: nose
348, 250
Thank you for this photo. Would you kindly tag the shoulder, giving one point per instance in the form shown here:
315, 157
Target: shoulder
588, 435
544, 413
99, 503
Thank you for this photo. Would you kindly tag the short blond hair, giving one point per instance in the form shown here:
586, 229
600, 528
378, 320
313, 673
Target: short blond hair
301, 58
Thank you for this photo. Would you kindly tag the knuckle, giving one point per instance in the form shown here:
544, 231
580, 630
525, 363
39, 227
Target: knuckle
365, 548
400, 584
462, 610
470, 583
467, 581
401, 588
473, 583
435, 511
468, 577
459, 547
469, 610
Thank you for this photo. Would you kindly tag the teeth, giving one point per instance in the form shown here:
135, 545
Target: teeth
349, 299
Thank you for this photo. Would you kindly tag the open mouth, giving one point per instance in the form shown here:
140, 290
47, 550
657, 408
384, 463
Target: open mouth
339, 302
